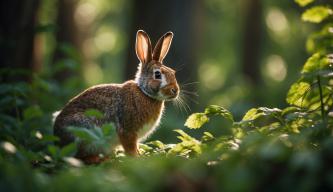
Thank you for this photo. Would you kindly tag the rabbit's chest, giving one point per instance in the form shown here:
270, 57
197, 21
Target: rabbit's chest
148, 128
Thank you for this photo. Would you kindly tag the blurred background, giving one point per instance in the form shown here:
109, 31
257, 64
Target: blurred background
238, 54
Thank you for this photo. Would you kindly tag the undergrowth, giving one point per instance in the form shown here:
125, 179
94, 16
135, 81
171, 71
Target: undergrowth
269, 148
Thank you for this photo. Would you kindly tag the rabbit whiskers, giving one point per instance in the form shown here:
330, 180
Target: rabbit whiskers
185, 95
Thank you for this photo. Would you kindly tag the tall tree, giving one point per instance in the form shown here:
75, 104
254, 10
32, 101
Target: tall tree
251, 39
66, 35
17, 29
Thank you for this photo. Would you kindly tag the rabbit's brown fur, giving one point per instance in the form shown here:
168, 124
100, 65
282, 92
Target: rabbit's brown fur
135, 107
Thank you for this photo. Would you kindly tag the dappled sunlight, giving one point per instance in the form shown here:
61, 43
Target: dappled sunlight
275, 68
278, 25
277, 21
105, 39
85, 14
8, 147
93, 74
231, 95
211, 75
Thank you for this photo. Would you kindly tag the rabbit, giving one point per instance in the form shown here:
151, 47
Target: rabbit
135, 107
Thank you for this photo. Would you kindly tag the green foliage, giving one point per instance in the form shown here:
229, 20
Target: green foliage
32, 112
287, 149
218, 110
196, 120
94, 113
316, 63
254, 113
297, 92
317, 14
94, 134
321, 41
304, 2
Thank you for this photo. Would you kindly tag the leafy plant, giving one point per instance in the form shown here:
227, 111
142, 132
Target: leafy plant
268, 148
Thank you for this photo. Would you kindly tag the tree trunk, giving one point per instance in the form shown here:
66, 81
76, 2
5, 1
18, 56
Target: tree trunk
17, 22
67, 36
252, 37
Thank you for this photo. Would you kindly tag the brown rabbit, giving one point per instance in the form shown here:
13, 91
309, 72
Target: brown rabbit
135, 107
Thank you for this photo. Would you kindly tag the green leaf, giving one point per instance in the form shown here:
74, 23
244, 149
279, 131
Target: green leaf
320, 41
158, 144
251, 115
49, 138
289, 110
303, 2
184, 136
315, 62
108, 129
83, 133
207, 136
145, 148
218, 110
316, 14
188, 146
196, 120
97, 131
94, 113
255, 113
297, 92
53, 150
68, 150
32, 112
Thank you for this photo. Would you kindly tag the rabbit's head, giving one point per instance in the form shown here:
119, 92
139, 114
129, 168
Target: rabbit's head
154, 78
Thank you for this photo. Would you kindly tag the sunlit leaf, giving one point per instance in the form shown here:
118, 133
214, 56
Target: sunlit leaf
184, 136
291, 109
251, 115
303, 2
145, 148
207, 136
196, 120
218, 110
263, 117
320, 41
315, 62
316, 14
158, 144
187, 146
297, 92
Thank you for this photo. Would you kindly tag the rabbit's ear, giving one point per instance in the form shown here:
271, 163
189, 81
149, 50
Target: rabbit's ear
143, 47
162, 46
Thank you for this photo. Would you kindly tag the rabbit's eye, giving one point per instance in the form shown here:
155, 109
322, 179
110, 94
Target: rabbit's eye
158, 75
